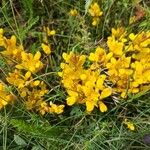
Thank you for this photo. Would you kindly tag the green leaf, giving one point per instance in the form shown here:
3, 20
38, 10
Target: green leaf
37, 148
25, 30
36, 130
19, 140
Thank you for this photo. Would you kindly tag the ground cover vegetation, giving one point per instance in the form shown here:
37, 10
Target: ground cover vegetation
74, 74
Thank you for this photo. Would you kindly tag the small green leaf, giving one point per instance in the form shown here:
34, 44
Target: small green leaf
37, 148
19, 140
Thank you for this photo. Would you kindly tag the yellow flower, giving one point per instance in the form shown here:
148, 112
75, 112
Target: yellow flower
139, 41
30, 62
115, 46
46, 48
95, 10
23, 92
11, 50
98, 55
48, 31
52, 32
16, 79
119, 34
130, 125
43, 108
95, 21
73, 12
102, 107
58, 109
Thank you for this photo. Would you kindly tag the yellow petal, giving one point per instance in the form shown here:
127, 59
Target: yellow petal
53, 32
32, 68
124, 94
62, 65
92, 57
13, 40
60, 74
23, 94
83, 76
27, 75
36, 83
89, 106
65, 56
71, 101
46, 49
132, 36
37, 65
1, 31
102, 107
131, 126
37, 56
105, 93
24, 56
94, 23
109, 56
100, 82
19, 66
60, 109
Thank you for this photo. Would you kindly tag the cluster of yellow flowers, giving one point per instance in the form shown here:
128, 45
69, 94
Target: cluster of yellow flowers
24, 78
129, 68
122, 68
96, 13
85, 86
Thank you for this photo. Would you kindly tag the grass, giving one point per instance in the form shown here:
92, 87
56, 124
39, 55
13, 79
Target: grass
21, 129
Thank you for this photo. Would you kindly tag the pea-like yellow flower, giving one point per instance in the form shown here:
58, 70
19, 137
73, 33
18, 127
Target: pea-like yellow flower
129, 125
30, 62
73, 12
115, 46
16, 79
95, 21
46, 48
58, 109
95, 10
48, 31
11, 50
